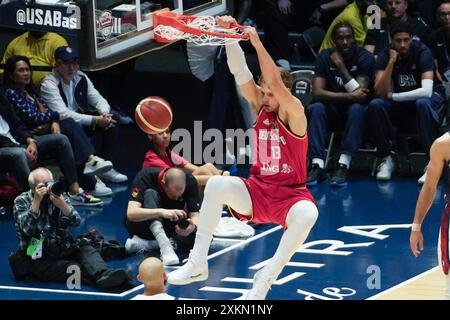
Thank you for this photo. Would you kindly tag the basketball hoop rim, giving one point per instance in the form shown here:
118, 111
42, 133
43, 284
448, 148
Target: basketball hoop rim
171, 19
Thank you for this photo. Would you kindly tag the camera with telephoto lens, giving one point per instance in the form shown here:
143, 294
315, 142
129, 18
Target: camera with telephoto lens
57, 188
183, 223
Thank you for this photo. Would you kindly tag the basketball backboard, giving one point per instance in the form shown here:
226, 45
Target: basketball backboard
105, 32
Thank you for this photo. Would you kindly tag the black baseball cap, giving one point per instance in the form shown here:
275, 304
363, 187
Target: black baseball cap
65, 54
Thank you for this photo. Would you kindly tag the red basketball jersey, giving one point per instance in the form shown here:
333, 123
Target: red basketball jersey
279, 156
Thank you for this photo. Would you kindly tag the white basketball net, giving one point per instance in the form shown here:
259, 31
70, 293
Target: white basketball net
206, 23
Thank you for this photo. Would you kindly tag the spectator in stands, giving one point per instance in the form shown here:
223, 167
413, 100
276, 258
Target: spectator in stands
69, 92
242, 10
440, 44
39, 47
426, 9
355, 14
379, 39
340, 91
161, 156
153, 276
164, 203
42, 121
280, 16
408, 94
325, 10
19, 151
39, 214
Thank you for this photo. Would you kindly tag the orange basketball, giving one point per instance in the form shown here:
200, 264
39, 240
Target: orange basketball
153, 115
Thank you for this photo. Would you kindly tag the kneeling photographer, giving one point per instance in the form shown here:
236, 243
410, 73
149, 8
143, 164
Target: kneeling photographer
164, 204
47, 252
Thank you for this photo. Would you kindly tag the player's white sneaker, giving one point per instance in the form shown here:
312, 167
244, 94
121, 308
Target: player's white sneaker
261, 285
190, 272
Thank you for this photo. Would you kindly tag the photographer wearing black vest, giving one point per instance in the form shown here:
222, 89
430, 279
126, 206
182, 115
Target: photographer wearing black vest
47, 252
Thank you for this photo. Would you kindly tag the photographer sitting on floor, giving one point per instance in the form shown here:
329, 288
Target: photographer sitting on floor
163, 203
47, 252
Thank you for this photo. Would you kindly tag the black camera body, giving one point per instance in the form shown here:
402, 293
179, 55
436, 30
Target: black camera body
183, 223
57, 188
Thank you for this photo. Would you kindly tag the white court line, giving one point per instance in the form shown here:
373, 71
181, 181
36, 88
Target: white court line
234, 246
214, 255
404, 283
61, 291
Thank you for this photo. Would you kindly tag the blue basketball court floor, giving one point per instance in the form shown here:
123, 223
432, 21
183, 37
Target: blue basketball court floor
358, 248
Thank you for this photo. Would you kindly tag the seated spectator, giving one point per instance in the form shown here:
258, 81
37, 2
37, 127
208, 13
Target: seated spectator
426, 10
37, 214
439, 42
326, 9
69, 92
161, 156
340, 92
39, 47
280, 16
379, 39
153, 276
355, 14
42, 121
408, 95
19, 151
161, 201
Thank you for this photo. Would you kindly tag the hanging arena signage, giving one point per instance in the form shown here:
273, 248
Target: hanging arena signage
58, 18
41, 17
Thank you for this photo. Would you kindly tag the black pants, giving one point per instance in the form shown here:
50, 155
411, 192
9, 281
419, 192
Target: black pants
421, 116
152, 200
88, 259
277, 26
106, 142
82, 149
49, 146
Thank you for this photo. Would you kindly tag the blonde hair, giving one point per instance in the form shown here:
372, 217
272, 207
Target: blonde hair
286, 77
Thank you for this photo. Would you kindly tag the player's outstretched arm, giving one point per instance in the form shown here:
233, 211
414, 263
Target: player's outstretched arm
238, 67
437, 161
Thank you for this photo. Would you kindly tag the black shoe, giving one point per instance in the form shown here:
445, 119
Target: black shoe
315, 175
340, 177
111, 278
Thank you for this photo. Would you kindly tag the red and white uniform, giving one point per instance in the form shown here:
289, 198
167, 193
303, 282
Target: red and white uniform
444, 234
278, 175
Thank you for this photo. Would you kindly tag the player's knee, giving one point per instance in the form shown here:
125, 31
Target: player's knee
303, 213
220, 188
214, 187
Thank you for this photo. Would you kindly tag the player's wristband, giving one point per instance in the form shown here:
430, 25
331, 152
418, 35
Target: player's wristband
351, 86
416, 227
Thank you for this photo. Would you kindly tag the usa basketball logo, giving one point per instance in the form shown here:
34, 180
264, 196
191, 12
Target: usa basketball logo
107, 25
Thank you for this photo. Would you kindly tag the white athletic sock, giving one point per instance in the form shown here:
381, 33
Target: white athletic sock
319, 162
345, 159
160, 235
210, 214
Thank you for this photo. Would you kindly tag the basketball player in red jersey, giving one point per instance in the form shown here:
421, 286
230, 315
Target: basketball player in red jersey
276, 191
